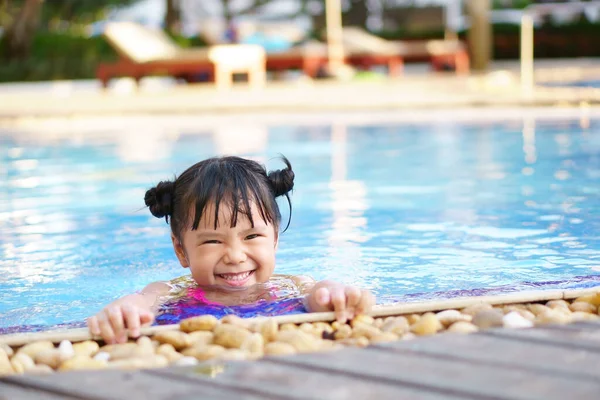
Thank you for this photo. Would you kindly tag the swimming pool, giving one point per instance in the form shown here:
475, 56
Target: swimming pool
593, 83
431, 207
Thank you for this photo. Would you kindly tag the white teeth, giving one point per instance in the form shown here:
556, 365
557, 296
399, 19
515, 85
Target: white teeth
236, 277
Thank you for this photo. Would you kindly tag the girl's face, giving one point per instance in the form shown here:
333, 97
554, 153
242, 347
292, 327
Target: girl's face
230, 257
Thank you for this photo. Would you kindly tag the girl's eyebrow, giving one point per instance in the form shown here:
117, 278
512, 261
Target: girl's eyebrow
255, 228
207, 232
259, 225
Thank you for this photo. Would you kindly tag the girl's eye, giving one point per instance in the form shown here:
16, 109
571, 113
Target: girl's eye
253, 236
211, 242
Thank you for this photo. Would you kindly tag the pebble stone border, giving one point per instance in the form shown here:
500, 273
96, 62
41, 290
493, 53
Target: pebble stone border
205, 337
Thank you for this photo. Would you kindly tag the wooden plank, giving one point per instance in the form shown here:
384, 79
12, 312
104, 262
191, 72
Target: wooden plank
590, 326
575, 293
577, 338
456, 377
10, 392
489, 350
296, 382
126, 385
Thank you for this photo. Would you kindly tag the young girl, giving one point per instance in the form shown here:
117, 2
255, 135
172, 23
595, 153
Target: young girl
225, 228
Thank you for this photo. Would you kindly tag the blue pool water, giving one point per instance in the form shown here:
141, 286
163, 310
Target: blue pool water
408, 210
594, 83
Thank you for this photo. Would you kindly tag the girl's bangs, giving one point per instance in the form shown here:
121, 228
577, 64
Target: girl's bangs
238, 195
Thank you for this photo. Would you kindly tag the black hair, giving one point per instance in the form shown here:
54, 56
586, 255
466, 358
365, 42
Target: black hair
235, 180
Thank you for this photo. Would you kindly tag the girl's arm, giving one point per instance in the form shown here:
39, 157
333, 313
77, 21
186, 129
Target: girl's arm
125, 316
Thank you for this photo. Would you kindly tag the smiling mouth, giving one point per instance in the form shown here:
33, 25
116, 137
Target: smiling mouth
236, 279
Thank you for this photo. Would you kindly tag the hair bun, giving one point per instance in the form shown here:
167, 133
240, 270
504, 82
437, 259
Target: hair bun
282, 180
159, 199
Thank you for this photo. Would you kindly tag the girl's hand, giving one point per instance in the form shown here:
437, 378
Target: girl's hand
345, 301
118, 321
126, 316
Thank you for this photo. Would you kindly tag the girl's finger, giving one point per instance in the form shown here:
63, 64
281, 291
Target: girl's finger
132, 319
353, 296
146, 317
106, 330
323, 297
115, 317
338, 301
367, 301
93, 326
352, 300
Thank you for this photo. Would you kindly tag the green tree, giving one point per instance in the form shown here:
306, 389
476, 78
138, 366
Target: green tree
355, 13
20, 20
173, 16
78, 12
229, 13
18, 33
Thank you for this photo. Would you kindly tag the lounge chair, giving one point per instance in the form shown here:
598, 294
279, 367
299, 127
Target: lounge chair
238, 58
309, 56
365, 50
144, 51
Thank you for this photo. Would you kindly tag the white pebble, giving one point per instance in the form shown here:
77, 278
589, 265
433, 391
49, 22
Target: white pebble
448, 317
515, 320
102, 356
186, 361
66, 350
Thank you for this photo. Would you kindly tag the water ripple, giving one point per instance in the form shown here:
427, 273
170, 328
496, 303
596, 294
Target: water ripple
410, 211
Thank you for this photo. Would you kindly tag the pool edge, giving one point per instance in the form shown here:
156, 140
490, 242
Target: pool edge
81, 334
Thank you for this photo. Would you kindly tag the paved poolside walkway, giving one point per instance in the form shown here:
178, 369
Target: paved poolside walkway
417, 89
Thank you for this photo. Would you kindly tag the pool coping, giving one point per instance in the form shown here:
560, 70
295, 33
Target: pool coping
82, 334
426, 91
170, 127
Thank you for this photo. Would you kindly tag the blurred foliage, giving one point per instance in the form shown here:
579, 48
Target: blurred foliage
511, 4
401, 34
520, 4
55, 13
22, 20
576, 39
78, 11
57, 56
52, 58
193, 41
61, 50
66, 56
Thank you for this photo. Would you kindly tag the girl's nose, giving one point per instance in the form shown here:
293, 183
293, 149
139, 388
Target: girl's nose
234, 255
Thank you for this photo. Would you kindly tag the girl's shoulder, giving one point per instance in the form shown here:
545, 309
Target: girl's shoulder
304, 283
181, 282
296, 284
157, 288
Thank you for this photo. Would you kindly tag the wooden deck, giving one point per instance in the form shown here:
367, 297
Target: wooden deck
552, 362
